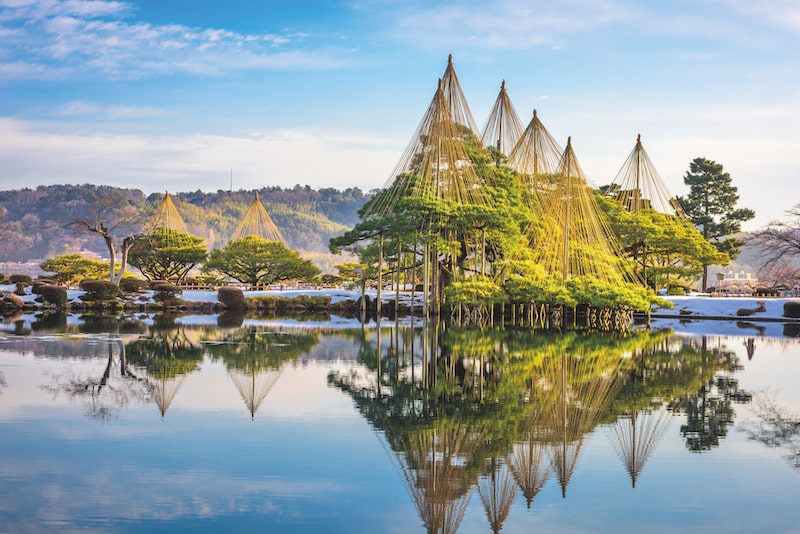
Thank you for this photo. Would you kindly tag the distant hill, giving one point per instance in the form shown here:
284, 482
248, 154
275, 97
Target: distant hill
34, 220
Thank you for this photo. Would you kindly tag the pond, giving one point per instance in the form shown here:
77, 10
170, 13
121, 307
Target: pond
323, 424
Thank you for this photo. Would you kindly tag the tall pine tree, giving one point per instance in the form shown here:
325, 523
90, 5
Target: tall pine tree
711, 206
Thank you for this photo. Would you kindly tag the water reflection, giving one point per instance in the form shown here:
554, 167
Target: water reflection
502, 410
471, 418
255, 359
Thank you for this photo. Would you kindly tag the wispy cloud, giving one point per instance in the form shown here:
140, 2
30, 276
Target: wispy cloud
91, 110
506, 24
152, 162
50, 39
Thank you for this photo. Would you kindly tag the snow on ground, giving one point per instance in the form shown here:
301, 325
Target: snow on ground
726, 306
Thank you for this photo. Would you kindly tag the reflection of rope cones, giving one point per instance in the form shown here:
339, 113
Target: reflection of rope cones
254, 386
497, 495
636, 437
503, 127
167, 217
638, 185
163, 389
435, 466
530, 464
581, 389
256, 221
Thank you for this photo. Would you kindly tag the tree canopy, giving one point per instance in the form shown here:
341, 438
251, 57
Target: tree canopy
258, 261
167, 254
711, 206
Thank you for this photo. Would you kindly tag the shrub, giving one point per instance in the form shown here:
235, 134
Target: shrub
132, 285
167, 293
20, 279
792, 309
97, 290
676, 290
11, 302
474, 290
232, 298
55, 295
744, 312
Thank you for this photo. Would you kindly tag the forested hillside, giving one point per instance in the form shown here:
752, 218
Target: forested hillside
35, 221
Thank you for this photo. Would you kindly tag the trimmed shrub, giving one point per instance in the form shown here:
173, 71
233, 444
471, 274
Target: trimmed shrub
20, 279
52, 294
167, 293
133, 285
97, 290
676, 290
791, 330
152, 283
232, 298
11, 302
792, 309
744, 312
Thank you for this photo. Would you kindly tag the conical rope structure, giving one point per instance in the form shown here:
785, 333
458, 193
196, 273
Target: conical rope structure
434, 166
574, 238
536, 158
637, 434
497, 493
256, 221
503, 128
639, 186
456, 101
167, 217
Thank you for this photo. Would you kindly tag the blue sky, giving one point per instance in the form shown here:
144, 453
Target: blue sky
173, 94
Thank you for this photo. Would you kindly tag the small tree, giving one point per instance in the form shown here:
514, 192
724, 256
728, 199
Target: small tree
118, 224
780, 241
257, 261
70, 269
711, 206
167, 254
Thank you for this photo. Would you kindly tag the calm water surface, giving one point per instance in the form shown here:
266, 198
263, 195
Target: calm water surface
206, 424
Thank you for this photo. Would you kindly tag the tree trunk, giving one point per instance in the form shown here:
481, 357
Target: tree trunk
112, 257
705, 277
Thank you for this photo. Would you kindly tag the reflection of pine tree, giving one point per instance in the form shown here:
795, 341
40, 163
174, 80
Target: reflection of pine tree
710, 413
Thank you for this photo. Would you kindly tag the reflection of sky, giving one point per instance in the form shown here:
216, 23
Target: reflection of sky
309, 461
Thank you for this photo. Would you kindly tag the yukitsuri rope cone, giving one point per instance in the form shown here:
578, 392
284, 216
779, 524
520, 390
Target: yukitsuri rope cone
639, 186
503, 128
456, 101
256, 221
435, 165
167, 217
574, 238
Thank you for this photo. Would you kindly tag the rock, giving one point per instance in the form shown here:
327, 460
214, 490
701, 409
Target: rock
744, 312
11, 303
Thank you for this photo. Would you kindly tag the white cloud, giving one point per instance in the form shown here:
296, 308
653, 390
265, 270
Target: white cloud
197, 161
55, 39
506, 24
83, 109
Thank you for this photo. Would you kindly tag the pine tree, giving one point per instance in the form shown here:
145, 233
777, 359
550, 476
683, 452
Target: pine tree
711, 206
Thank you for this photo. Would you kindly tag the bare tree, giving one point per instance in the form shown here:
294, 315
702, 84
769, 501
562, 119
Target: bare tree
118, 223
783, 274
780, 240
